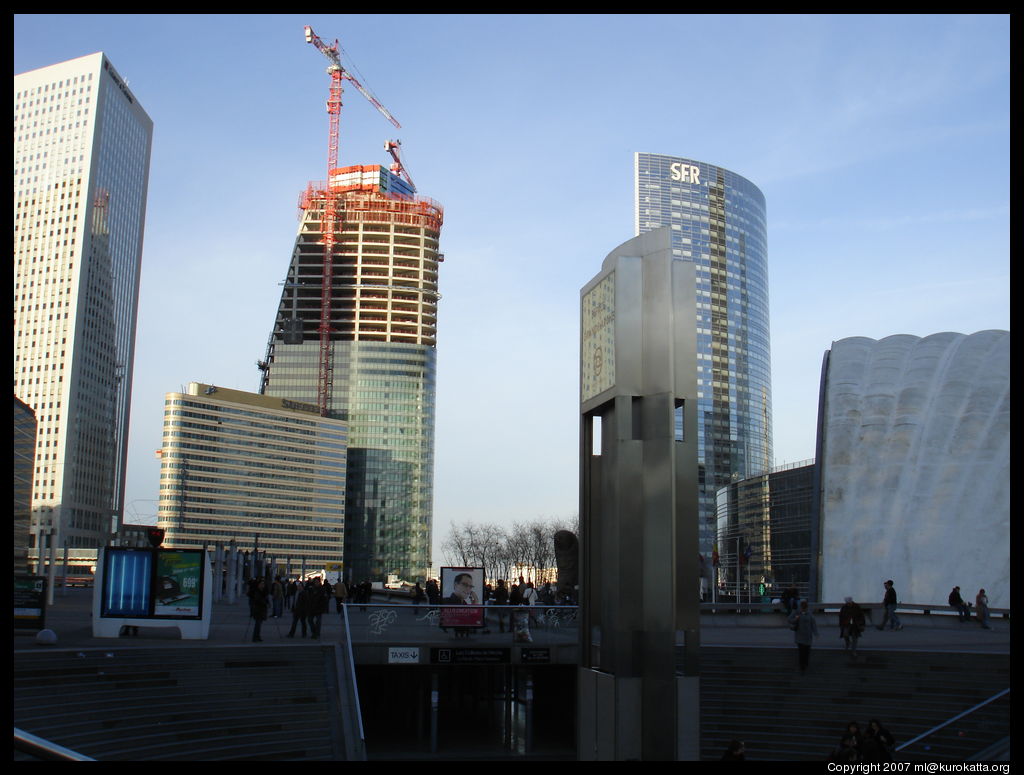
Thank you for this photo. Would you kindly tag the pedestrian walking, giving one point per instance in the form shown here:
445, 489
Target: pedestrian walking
851, 624
955, 601
340, 596
418, 596
981, 604
531, 598
318, 606
501, 599
433, 592
790, 599
805, 630
889, 602
258, 604
277, 597
300, 611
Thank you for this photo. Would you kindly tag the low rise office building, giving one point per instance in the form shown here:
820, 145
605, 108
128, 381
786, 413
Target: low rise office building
266, 472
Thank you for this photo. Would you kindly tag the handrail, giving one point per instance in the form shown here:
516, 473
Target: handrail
981, 704
42, 748
351, 660
925, 608
488, 604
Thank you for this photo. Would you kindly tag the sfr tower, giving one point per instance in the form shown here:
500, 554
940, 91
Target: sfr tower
716, 220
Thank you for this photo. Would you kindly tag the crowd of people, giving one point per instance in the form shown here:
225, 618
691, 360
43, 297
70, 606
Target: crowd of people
872, 743
307, 601
852, 618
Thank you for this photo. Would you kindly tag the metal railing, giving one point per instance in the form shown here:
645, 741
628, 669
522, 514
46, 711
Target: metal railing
41, 748
407, 623
767, 606
957, 717
355, 735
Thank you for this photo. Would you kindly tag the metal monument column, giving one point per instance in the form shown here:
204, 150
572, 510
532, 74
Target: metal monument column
639, 692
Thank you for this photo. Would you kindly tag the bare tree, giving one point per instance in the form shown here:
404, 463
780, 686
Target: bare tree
456, 546
500, 552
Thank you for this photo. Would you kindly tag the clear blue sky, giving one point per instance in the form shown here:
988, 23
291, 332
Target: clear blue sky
881, 144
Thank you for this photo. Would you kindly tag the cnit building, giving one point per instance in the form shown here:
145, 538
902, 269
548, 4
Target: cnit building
383, 338
717, 221
81, 170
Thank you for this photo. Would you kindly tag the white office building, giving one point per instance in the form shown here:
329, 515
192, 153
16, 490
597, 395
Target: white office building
266, 472
81, 169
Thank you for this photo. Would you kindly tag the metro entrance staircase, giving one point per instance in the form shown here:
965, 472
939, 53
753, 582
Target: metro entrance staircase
182, 704
757, 695
286, 702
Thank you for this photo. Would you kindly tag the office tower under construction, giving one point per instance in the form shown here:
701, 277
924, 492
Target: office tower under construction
355, 334
383, 335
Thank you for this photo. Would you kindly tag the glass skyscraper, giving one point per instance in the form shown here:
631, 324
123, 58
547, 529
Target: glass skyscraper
81, 170
383, 334
717, 221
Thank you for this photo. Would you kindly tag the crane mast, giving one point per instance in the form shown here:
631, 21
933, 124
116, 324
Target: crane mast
329, 224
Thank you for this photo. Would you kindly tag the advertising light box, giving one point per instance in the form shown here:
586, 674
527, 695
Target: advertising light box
152, 583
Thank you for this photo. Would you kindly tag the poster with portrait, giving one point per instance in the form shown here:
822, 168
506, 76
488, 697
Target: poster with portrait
462, 597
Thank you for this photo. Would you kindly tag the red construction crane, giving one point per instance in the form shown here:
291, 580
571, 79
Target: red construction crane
329, 226
392, 147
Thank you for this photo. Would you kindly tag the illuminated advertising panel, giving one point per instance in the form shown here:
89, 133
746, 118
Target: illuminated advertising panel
127, 582
152, 583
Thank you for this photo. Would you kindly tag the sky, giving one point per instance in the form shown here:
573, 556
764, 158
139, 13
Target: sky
881, 144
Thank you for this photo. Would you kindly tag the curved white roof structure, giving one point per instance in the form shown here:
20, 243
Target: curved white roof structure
915, 465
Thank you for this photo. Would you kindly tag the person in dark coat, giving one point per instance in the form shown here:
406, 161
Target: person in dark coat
884, 737
259, 600
846, 752
790, 598
957, 602
871, 748
318, 606
418, 596
277, 594
851, 623
805, 630
340, 596
889, 601
433, 592
854, 737
501, 599
300, 610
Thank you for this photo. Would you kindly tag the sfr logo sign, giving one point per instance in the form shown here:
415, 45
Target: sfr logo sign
684, 172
